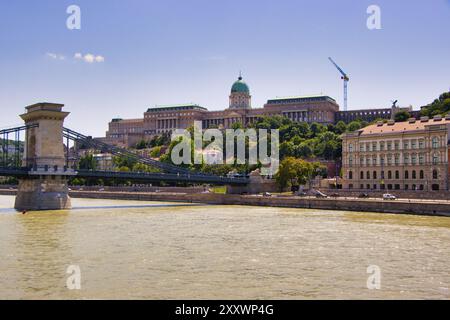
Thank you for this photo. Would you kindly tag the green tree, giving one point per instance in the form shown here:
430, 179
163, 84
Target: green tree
317, 128
124, 161
141, 145
237, 125
401, 116
353, 126
340, 127
287, 172
88, 162
440, 106
303, 150
155, 152
294, 171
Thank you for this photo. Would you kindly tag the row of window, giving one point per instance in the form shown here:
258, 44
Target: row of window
393, 175
395, 145
434, 187
395, 159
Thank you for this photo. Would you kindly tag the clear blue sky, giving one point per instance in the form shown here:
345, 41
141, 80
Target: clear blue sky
168, 52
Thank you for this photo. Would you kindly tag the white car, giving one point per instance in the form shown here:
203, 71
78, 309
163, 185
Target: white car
388, 196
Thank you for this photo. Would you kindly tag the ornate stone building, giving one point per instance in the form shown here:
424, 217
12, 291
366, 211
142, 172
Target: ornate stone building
410, 155
163, 119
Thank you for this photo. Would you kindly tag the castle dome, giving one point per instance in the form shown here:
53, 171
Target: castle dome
240, 86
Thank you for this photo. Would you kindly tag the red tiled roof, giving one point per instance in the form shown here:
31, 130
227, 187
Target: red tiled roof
401, 126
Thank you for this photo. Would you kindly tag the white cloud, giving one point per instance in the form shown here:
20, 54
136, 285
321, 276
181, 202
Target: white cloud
55, 56
89, 58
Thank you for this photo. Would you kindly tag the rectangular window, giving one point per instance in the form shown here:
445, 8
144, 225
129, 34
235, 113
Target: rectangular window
405, 145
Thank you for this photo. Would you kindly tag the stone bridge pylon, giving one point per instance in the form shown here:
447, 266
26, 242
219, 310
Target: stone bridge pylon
46, 186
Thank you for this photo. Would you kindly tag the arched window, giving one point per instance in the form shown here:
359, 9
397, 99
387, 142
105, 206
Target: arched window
389, 174
414, 174
374, 174
397, 174
350, 147
350, 175
350, 161
406, 174
421, 175
367, 175
361, 175
435, 174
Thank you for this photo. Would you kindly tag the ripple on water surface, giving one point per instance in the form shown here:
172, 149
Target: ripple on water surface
154, 250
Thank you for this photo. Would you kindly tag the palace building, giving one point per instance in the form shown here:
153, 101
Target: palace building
410, 155
163, 119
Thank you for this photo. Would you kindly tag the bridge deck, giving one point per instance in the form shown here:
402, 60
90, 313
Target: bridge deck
139, 176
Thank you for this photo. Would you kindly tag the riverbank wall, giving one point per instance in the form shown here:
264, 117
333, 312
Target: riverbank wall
418, 207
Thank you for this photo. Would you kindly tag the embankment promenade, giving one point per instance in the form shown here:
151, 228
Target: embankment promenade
403, 206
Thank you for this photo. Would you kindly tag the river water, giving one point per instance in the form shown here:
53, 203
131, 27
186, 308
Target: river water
154, 250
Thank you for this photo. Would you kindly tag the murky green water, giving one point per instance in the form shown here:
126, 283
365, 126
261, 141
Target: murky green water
128, 249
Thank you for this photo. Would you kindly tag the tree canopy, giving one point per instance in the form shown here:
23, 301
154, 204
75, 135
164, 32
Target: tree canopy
440, 106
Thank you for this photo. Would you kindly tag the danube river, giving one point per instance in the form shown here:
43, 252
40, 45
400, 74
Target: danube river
139, 250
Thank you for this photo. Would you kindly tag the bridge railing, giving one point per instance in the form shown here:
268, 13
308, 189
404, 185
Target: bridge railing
12, 149
89, 141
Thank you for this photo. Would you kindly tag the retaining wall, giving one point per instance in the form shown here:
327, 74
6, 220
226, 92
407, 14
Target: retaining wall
438, 208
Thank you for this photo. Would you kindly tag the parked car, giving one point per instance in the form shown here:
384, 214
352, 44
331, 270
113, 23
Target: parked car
388, 196
320, 194
335, 195
363, 195
267, 194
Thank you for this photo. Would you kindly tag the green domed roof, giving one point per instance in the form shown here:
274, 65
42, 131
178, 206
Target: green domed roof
240, 86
